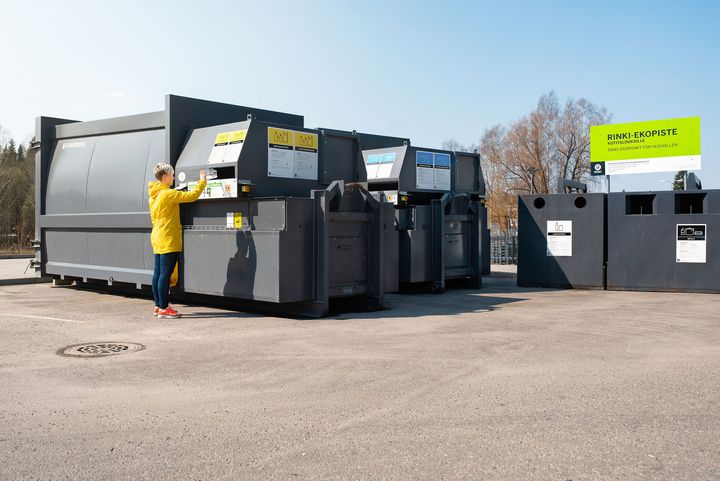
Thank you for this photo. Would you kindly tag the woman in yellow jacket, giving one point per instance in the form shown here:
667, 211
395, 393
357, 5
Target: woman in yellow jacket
166, 235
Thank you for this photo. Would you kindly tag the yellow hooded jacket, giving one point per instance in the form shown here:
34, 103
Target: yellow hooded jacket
165, 215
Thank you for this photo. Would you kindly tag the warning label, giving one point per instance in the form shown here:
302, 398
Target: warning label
292, 154
559, 238
691, 245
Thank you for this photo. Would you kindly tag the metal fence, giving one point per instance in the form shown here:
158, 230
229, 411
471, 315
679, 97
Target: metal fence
503, 247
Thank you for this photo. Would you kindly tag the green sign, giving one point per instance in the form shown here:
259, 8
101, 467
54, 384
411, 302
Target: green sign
642, 147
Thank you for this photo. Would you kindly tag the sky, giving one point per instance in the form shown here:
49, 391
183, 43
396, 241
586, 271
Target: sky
429, 71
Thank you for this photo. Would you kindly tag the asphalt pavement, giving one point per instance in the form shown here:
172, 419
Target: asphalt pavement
497, 383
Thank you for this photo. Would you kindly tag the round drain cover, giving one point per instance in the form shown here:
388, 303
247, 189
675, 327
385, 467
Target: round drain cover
100, 349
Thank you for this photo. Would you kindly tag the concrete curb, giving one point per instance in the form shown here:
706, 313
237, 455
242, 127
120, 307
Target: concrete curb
24, 280
16, 256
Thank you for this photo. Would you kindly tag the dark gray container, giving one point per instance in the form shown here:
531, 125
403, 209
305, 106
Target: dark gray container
441, 222
486, 239
664, 241
552, 255
303, 241
92, 220
294, 252
440, 241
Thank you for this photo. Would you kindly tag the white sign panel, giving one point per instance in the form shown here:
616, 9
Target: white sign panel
691, 245
559, 238
432, 170
647, 166
292, 154
442, 171
217, 153
234, 147
227, 147
424, 170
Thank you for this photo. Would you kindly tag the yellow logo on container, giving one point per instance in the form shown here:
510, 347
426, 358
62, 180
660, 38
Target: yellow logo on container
222, 138
306, 140
280, 136
237, 135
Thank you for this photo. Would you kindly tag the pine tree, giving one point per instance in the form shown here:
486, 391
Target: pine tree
679, 181
17, 196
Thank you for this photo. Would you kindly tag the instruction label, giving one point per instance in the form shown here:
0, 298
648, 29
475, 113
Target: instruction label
442, 171
691, 245
379, 166
235, 145
227, 147
217, 189
424, 170
292, 154
559, 238
306, 155
432, 170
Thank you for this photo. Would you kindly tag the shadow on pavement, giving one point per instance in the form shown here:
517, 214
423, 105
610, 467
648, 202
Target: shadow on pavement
495, 292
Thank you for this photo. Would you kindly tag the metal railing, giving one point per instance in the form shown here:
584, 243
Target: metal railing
503, 248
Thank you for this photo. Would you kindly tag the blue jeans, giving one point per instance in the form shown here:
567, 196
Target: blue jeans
164, 266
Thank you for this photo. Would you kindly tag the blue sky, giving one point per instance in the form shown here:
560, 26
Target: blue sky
429, 71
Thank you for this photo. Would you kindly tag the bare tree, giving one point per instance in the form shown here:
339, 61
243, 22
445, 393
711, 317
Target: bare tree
535, 153
573, 135
551, 144
455, 146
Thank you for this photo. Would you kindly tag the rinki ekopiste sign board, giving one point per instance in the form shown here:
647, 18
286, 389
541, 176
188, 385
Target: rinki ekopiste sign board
644, 147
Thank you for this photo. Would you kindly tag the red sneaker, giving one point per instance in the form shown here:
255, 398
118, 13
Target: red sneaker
168, 313
156, 309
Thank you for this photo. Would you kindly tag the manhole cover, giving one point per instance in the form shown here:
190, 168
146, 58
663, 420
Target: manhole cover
100, 349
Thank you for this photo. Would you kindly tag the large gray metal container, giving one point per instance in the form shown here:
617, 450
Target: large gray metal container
303, 241
440, 214
665, 241
296, 252
92, 219
440, 241
562, 240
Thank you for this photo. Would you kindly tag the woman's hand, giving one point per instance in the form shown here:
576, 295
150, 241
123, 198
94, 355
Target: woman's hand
203, 174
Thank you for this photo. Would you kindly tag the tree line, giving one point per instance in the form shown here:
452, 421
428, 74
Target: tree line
535, 153
17, 197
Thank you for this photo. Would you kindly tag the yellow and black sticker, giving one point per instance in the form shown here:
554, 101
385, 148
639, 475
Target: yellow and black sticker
306, 141
222, 138
280, 138
237, 136
234, 220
